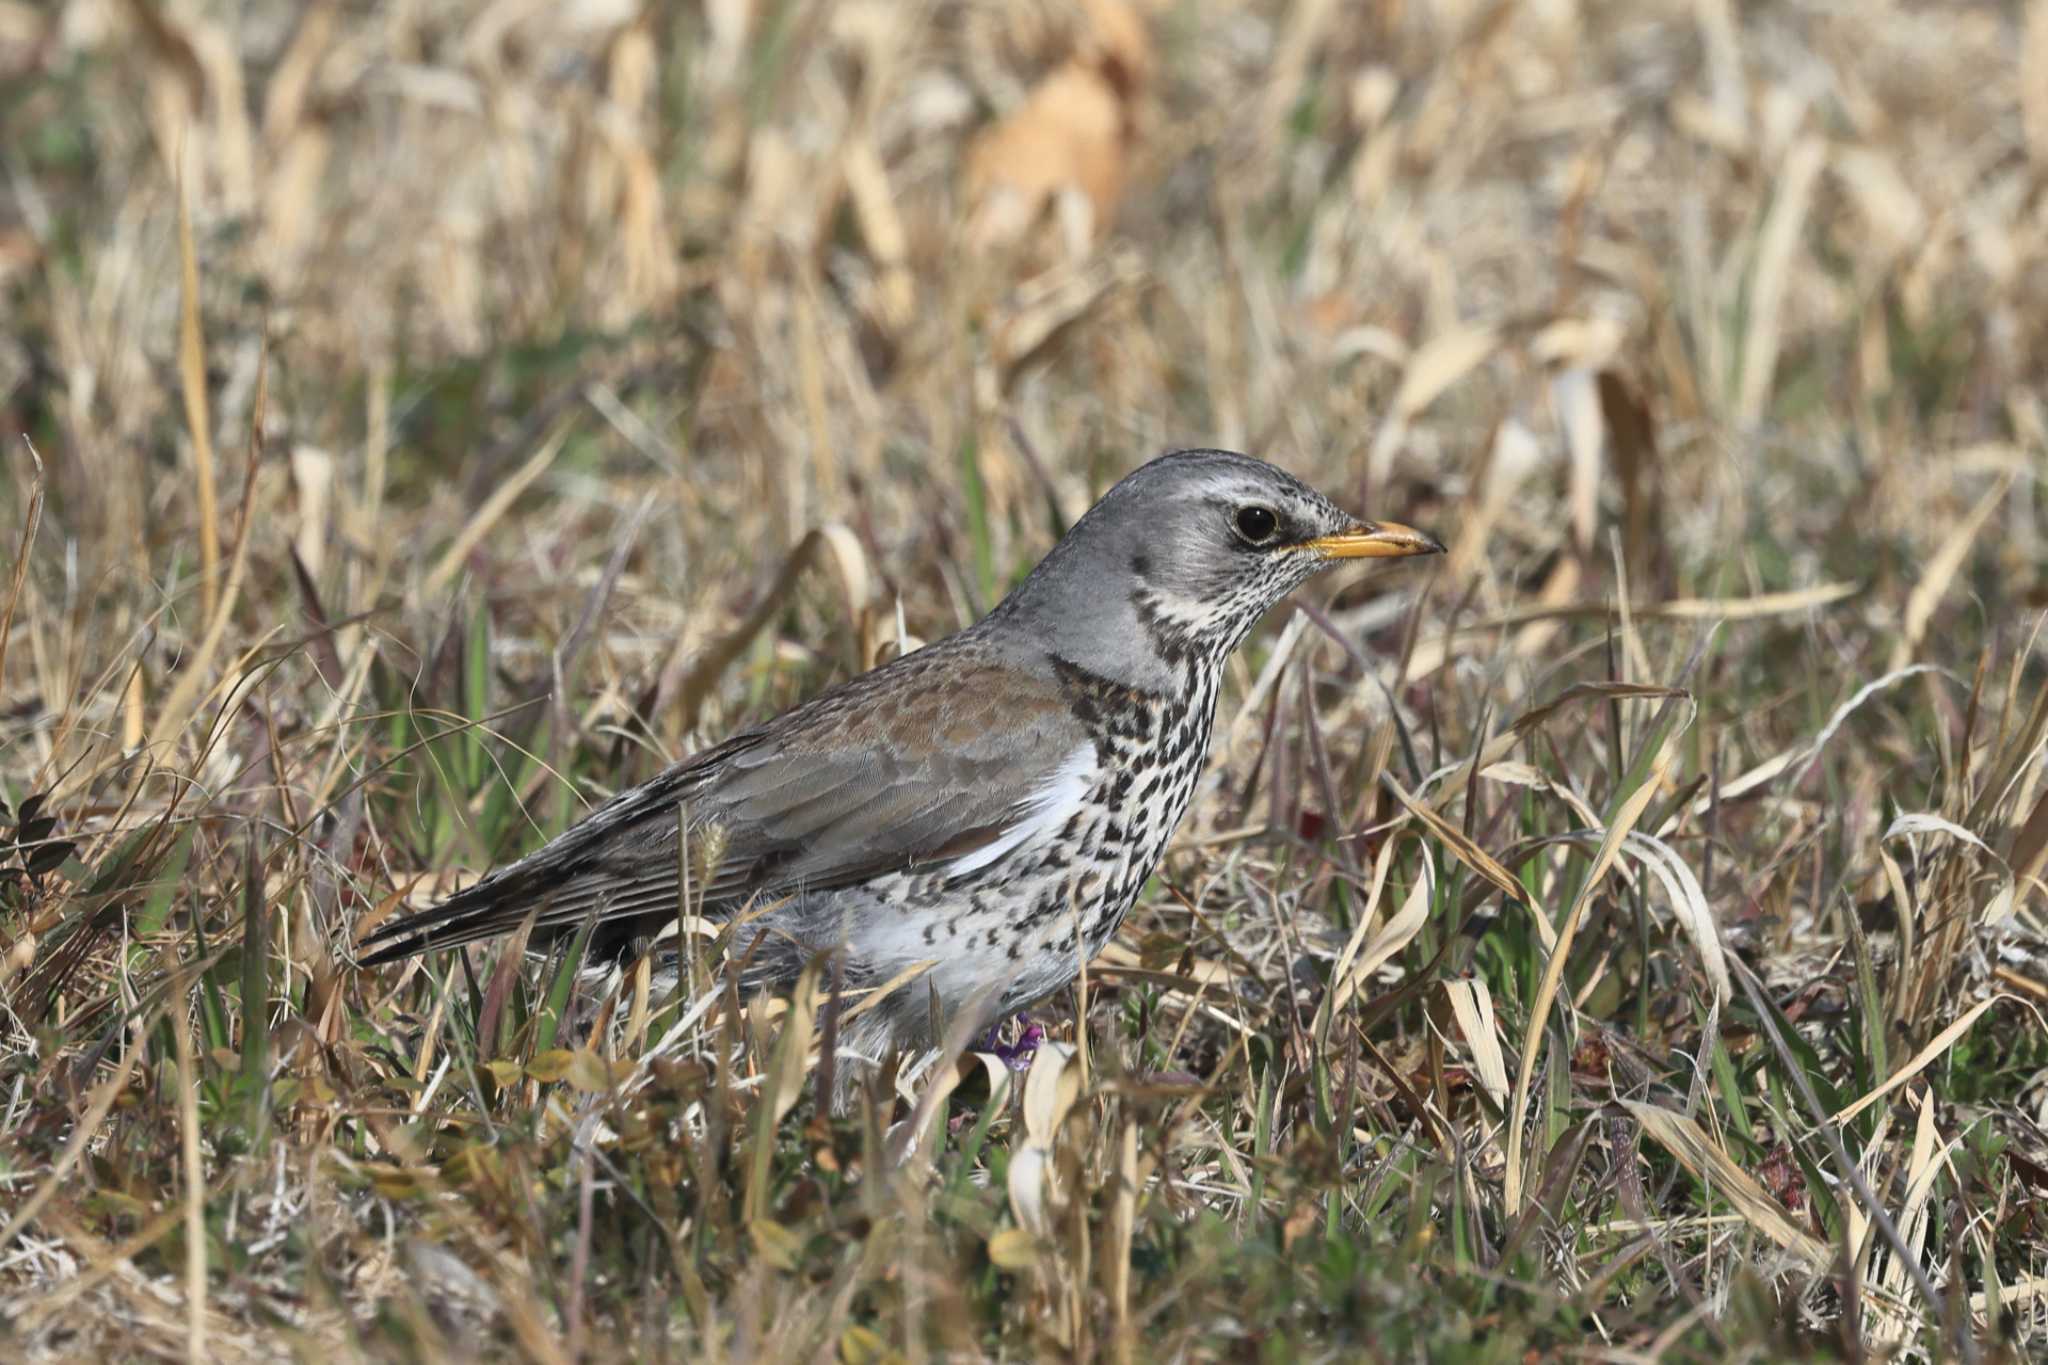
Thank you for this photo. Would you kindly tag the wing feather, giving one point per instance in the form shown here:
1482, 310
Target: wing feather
934, 757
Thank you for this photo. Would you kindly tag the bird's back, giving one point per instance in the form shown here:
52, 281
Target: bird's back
917, 764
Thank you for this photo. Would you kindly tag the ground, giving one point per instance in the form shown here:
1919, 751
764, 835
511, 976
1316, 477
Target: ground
1620, 939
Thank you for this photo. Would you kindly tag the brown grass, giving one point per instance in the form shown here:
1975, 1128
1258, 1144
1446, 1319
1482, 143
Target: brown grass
422, 420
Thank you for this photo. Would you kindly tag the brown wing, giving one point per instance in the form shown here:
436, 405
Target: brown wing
925, 759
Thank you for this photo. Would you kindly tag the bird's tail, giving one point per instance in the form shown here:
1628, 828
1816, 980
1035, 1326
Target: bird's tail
476, 912
614, 867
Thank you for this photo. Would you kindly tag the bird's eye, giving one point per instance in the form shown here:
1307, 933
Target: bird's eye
1256, 524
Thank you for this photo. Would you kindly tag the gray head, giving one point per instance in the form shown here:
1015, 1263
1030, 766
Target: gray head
1181, 558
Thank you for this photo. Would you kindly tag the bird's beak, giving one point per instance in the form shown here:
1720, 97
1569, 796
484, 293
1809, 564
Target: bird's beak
1375, 540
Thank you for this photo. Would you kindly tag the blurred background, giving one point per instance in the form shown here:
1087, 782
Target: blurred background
603, 375
1758, 287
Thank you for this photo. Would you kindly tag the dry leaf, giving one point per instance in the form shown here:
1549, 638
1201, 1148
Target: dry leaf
1472, 1006
1068, 140
1391, 937
1577, 401
1050, 1090
1632, 437
1067, 147
777, 1245
1013, 1249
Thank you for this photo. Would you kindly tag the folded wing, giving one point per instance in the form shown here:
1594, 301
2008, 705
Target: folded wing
927, 761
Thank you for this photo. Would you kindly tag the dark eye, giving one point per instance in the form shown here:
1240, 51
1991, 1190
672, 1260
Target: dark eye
1256, 523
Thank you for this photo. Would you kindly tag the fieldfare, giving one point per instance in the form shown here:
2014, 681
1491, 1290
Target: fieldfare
990, 804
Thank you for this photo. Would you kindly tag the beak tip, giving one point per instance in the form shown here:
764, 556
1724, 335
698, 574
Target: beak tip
1379, 540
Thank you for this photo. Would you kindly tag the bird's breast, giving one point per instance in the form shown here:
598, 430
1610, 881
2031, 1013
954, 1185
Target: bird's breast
1020, 924
1150, 763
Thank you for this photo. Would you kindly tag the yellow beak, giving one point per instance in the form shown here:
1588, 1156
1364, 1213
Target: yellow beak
1375, 540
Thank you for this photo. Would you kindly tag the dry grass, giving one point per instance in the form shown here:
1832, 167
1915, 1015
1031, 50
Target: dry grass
1626, 942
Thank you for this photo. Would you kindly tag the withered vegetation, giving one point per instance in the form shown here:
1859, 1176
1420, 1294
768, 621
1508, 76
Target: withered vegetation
1624, 940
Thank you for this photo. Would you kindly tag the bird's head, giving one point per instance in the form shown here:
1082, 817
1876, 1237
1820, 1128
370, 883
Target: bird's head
1202, 543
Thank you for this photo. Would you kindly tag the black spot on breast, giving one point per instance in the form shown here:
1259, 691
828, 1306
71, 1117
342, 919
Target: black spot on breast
1106, 709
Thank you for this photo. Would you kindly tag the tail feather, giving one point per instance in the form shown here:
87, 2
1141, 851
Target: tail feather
463, 918
588, 867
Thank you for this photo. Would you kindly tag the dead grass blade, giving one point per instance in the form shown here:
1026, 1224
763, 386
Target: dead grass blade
1683, 1138
195, 1182
785, 1082
781, 1085
30, 524
1123, 1228
194, 675
1924, 1162
2028, 851
1463, 849
1537, 621
500, 988
1926, 822
1845, 1165
890, 987
1757, 607
1511, 457
1804, 757
916, 1137
1472, 1007
2034, 83
192, 383
1920, 1061
846, 558
1455, 779
1577, 404
82, 1132
494, 508
1341, 971
1632, 438
1591, 691
1389, 939
1553, 971
1792, 197
1436, 365
1051, 1088
1688, 905
1940, 571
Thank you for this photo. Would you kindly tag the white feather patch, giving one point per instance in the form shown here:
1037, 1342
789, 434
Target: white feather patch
1039, 815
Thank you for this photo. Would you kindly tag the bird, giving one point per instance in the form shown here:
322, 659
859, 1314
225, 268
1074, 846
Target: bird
985, 809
